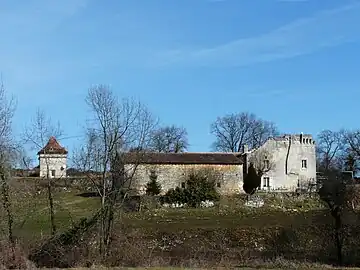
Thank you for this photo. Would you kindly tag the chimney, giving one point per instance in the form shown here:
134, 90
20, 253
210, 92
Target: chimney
245, 148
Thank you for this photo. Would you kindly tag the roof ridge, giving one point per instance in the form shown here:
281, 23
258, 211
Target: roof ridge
53, 147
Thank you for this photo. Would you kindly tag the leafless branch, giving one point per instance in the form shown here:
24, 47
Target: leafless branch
170, 139
36, 134
329, 147
233, 131
7, 150
116, 127
352, 138
262, 161
40, 129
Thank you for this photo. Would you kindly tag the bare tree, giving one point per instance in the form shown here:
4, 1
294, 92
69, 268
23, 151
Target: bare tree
37, 134
338, 193
88, 157
352, 138
351, 161
115, 128
329, 149
261, 131
22, 160
233, 131
7, 149
169, 139
262, 160
351, 156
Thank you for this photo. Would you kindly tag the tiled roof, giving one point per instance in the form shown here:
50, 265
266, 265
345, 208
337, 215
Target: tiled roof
182, 158
53, 147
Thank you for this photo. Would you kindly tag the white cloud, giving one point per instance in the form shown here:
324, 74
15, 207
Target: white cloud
324, 29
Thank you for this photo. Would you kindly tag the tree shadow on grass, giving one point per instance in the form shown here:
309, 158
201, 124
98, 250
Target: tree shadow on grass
129, 204
88, 194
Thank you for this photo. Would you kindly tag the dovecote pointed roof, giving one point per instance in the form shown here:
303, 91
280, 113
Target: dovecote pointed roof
53, 147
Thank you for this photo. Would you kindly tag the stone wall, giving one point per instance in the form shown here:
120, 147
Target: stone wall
173, 175
56, 163
290, 151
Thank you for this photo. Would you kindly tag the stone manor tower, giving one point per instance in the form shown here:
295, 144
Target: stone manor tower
52, 159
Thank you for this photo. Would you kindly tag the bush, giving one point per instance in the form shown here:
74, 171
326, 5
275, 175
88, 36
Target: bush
153, 187
198, 187
176, 195
13, 257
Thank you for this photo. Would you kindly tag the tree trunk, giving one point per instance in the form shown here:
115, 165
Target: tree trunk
51, 206
7, 207
110, 202
51, 200
338, 236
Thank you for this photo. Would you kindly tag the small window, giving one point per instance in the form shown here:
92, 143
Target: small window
304, 164
266, 182
53, 173
218, 184
182, 184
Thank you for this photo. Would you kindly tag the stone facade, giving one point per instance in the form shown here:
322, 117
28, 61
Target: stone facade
55, 163
293, 160
175, 175
172, 170
52, 159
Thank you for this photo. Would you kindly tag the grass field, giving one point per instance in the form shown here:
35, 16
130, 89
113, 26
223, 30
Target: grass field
31, 211
228, 234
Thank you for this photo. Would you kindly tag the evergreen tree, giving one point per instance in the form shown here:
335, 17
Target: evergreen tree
153, 187
251, 181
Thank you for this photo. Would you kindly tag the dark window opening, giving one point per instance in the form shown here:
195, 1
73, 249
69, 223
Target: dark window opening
182, 184
218, 184
53, 173
266, 182
304, 164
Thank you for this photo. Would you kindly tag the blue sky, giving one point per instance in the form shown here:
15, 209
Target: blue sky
294, 62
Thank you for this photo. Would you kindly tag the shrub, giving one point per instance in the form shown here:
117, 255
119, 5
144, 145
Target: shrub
176, 195
198, 187
153, 187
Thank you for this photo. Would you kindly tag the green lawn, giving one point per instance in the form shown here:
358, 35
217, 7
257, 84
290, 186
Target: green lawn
30, 209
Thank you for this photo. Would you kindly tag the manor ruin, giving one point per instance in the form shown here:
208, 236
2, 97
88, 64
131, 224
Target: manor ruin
291, 160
